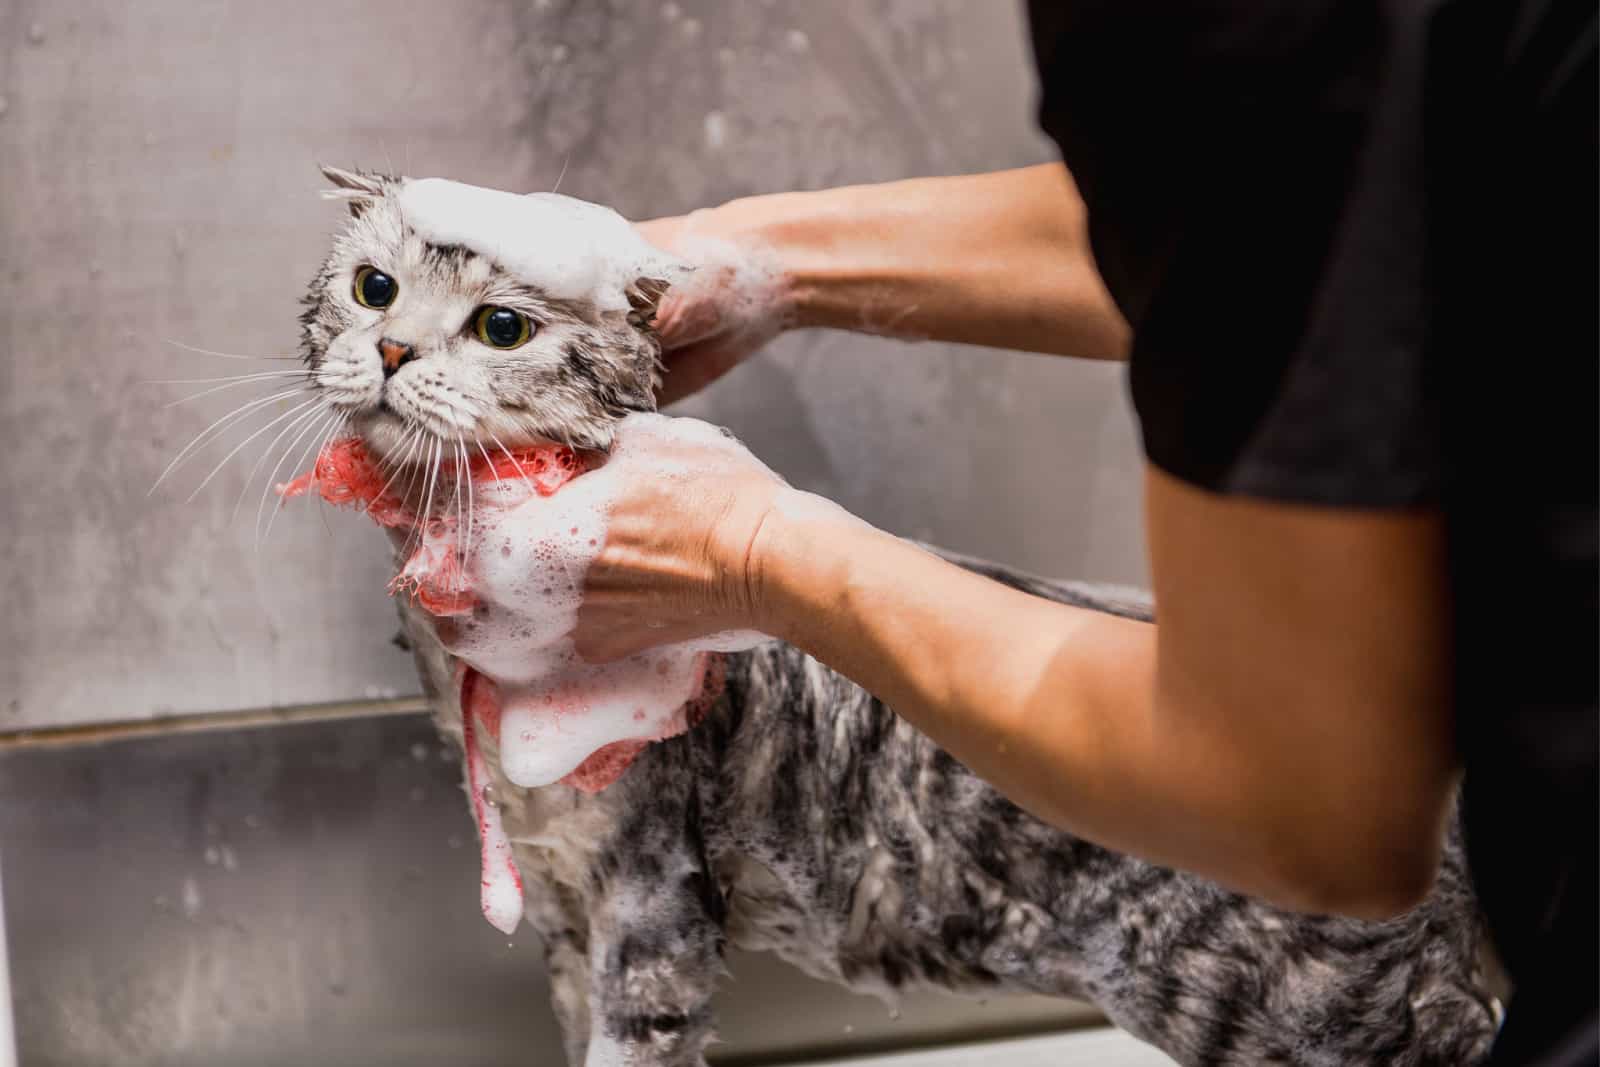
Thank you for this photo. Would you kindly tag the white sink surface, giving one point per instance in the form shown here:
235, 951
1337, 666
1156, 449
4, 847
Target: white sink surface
1100, 1047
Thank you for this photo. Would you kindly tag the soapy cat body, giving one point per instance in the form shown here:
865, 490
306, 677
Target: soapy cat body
800, 815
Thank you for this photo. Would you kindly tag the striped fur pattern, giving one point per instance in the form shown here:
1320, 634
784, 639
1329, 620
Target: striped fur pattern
803, 817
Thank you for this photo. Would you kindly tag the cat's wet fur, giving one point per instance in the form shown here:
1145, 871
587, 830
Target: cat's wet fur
804, 817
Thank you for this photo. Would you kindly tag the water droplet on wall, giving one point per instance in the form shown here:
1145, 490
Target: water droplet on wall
716, 132
797, 41
191, 898
36, 33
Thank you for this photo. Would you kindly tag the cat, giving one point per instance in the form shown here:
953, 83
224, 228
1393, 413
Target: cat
801, 815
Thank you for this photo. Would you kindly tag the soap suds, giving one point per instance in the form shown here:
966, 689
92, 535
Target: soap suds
736, 291
506, 604
501, 894
569, 248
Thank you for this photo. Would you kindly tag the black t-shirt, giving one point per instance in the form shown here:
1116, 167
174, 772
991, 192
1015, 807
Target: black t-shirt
1357, 243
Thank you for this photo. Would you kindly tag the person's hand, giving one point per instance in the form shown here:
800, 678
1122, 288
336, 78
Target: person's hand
682, 506
734, 302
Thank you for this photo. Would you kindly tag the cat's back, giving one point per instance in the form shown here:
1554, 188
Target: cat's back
852, 845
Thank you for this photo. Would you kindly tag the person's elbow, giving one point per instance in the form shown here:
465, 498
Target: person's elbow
1364, 864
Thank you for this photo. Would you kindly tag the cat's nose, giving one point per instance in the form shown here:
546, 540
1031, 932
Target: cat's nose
395, 355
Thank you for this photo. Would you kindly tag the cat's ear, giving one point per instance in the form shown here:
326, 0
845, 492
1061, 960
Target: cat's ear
358, 189
644, 295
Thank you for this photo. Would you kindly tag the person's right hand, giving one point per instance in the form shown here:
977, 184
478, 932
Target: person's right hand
735, 301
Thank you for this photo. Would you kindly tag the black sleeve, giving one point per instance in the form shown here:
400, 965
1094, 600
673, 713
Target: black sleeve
1253, 178
1357, 244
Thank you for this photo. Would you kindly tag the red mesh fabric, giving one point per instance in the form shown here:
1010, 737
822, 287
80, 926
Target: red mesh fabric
347, 475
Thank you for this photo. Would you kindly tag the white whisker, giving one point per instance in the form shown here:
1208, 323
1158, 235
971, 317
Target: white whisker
247, 408
502, 446
407, 445
250, 377
464, 471
484, 452
219, 355
429, 477
332, 433
333, 423
316, 400
418, 468
252, 380
270, 484
255, 469
434, 461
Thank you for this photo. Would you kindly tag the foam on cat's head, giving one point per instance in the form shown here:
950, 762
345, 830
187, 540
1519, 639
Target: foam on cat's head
586, 283
568, 248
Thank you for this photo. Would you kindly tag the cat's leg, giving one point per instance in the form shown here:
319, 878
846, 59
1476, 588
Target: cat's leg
655, 943
566, 957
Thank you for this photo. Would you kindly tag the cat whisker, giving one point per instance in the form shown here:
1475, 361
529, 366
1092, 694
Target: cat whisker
465, 471
332, 423
434, 459
487, 461
272, 476
305, 419
455, 493
421, 478
252, 379
407, 446
315, 401
221, 355
246, 377
418, 467
249, 407
333, 432
502, 446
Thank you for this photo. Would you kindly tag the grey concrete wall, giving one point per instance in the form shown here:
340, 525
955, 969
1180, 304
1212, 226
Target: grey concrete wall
157, 184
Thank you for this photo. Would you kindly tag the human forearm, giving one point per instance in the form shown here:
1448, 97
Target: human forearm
1060, 709
997, 259
1288, 734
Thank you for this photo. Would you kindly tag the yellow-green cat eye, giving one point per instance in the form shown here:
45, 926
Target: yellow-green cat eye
500, 327
374, 289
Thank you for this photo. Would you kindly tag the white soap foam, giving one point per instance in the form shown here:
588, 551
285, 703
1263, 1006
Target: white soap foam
571, 249
501, 894
526, 567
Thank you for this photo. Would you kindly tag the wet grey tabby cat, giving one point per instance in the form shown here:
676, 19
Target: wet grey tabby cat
803, 816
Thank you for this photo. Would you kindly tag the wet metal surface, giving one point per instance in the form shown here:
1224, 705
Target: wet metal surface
308, 894
157, 185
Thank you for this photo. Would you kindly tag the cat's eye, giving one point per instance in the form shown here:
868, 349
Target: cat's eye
374, 289
500, 327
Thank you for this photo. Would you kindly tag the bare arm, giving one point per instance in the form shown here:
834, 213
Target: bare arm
994, 259
1285, 732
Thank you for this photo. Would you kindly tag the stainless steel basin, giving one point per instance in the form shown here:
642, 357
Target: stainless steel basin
307, 893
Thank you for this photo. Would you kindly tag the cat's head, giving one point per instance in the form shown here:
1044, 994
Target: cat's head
447, 312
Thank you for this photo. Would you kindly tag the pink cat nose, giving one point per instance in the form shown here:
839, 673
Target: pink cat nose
395, 355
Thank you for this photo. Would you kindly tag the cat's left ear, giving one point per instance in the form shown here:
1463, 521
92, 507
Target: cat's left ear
644, 295
356, 188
